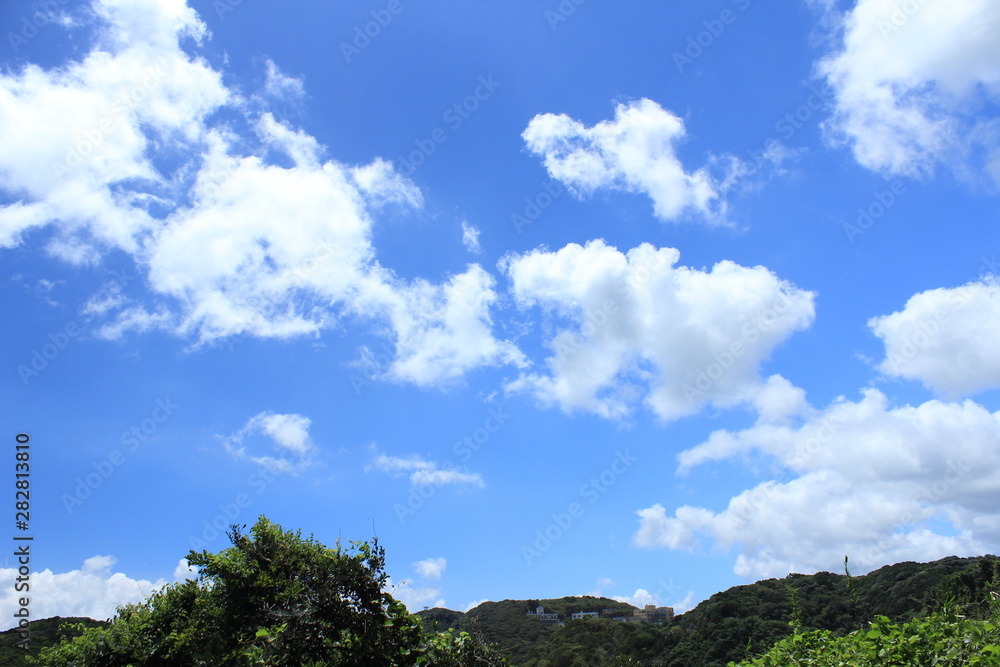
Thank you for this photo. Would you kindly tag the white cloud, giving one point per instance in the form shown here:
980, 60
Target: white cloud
381, 184
93, 591
881, 484
280, 86
289, 435
474, 604
424, 473
443, 331
603, 583
288, 431
431, 568
940, 339
640, 598
416, 598
256, 233
136, 90
635, 327
635, 152
184, 570
470, 237
684, 605
913, 84
264, 247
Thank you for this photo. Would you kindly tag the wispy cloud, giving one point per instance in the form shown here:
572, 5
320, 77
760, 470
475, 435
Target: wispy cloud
289, 436
423, 472
470, 237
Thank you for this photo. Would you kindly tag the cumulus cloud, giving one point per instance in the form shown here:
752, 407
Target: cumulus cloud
185, 570
635, 152
640, 598
914, 83
940, 338
255, 232
289, 436
94, 591
879, 483
635, 328
424, 473
444, 330
416, 597
136, 88
431, 568
420, 597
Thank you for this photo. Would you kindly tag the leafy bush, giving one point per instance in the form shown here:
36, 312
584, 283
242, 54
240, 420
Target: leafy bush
944, 639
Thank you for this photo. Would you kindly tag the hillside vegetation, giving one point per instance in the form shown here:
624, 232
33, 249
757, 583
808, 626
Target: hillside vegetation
736, 624
43, 632
276, 598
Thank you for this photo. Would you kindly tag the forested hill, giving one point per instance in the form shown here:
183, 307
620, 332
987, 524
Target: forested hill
731, 625
43, 632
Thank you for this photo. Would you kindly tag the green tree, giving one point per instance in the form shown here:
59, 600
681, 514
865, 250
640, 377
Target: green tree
273, 598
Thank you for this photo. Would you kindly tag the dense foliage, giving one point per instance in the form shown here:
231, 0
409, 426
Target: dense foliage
944, 639
274, 599
964, 631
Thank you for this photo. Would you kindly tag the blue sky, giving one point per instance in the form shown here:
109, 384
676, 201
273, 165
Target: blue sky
645, 300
